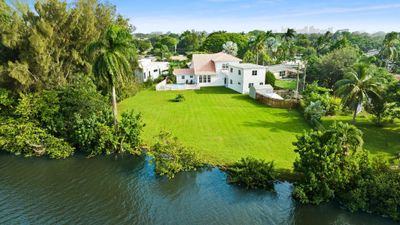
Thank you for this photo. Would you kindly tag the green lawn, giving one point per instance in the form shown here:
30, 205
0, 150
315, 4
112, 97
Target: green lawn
382, 142
220, 124
286, 84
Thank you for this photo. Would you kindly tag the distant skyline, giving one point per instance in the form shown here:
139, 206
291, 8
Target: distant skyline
245, 15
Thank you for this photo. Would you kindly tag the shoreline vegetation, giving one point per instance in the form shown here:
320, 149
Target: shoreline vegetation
66, 70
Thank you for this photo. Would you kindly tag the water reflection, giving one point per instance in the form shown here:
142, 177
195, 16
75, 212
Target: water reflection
107, 190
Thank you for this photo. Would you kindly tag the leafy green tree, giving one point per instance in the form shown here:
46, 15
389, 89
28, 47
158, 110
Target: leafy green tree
252, 173
270, 78
257, 44
357, 87
112, 55
328, 162
171, 157
214, 42
391, 45
230, 48
333, 66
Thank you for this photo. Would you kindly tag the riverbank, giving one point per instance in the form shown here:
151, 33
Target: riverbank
125, 190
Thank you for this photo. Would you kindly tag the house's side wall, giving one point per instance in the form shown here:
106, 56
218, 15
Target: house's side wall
153, 70
249, 78
234, 80
186, 79
216, 80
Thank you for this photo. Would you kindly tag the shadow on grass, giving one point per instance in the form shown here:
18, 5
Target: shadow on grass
292, 125
215, 90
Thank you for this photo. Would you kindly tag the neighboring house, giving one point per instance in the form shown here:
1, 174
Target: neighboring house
221, 69
148, 68
285, 70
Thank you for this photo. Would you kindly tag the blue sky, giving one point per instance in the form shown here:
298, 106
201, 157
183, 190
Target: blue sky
245, 15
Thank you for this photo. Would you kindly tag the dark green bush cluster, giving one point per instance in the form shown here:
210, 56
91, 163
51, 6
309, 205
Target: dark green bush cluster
333, 165
252, 173
270, 78
75, 116
376, 190
171, 157
179, 98
315, 93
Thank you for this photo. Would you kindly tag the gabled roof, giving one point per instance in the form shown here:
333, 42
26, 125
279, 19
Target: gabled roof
204, 64
180, 72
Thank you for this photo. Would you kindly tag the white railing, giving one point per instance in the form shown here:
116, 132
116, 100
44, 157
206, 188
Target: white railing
163, 86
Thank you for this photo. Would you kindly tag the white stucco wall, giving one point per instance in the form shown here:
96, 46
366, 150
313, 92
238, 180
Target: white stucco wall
235, 81
183, 79
257, 80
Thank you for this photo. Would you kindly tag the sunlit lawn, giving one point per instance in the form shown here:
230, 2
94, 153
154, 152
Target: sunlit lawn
286, 84
381, 142
220, 124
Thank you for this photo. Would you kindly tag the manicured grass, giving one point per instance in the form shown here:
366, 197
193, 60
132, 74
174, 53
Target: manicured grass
380, 142
220, 124
286, 84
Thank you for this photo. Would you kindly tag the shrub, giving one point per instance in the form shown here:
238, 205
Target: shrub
313, 113
170, 157
252, 173
377, 190
25, 138
314, 93
179, 98
270, 78
328, 160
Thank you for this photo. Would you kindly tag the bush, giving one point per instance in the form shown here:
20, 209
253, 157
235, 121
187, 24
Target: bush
252, 173
314, 93
270, 78
377, 190
170, 157
328, 160
179, 98
313, 113
25, 138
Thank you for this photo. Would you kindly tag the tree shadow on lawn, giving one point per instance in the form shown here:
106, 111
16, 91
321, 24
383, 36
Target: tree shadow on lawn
377, 140
215, 90
291, 125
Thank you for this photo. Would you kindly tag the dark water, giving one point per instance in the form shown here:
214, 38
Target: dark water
125, 191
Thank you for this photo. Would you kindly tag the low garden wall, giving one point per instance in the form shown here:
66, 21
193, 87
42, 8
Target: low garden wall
276, 103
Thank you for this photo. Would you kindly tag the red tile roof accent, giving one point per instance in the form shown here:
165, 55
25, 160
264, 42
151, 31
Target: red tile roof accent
204, 64
180, 72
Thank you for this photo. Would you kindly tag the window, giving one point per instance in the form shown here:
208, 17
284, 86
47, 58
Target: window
191, 76
261, 83
155, 71
231, 70
209, 79
254, 72
224, 66
200, 79
183, 77
144, 75
238, 83
282, 73
231, 81
239, 72
251, 85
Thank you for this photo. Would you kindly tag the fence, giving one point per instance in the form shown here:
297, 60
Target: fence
276, 103
163, 86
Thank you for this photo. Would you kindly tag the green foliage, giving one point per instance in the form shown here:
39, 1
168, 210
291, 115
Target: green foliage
27, 139
252, 173
215, 41
249, 57
44, 45
357, 87
313, 113
170, 157
328, 161
270, 78
315, 93
179, 98
333, 66
376, 190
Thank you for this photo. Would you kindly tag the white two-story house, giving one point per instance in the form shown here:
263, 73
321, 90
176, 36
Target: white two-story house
149, 69
221, 69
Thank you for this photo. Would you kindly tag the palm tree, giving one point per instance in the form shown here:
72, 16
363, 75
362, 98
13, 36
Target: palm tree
258, 44
390, 45
357, 87
111, 56
289, 35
